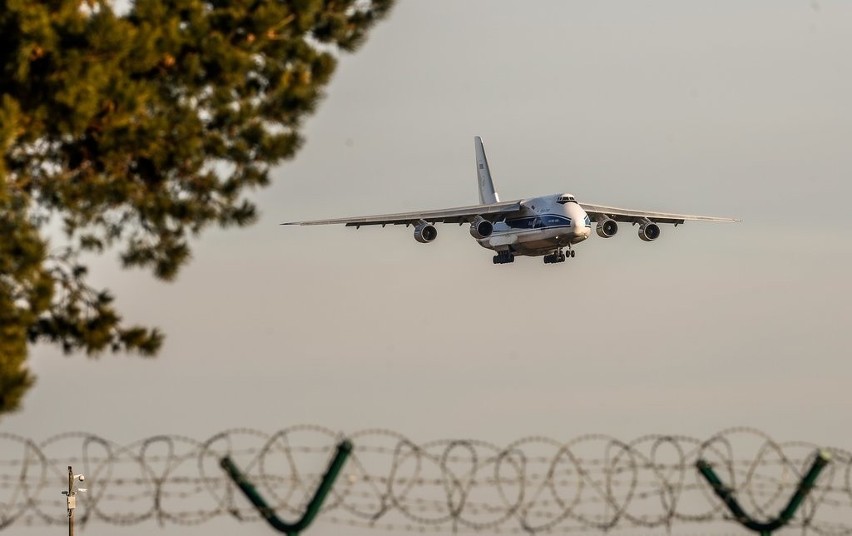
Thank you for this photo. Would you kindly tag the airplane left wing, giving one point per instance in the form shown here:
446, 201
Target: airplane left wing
491, 211
598, 212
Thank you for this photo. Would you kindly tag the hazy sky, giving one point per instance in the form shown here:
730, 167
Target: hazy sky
731, 108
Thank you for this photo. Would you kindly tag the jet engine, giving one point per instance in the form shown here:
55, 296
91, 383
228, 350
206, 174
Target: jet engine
606, 228
649, 231
425, 232
481, 228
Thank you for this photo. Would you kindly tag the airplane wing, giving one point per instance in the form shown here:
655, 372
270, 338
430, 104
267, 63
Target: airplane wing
492, 211
597, 212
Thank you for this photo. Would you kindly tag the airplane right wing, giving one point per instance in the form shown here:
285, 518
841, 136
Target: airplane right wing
491, 212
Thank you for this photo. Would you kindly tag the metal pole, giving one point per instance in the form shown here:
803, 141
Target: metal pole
71, 502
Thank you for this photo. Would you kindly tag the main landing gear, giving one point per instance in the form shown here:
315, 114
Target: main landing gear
504, 257
558, 256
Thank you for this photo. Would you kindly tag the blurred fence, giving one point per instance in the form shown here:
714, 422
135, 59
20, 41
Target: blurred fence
591, 483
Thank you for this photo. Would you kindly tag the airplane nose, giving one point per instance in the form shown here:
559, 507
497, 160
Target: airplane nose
581, 232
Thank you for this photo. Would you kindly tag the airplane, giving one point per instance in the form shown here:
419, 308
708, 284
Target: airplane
536, 227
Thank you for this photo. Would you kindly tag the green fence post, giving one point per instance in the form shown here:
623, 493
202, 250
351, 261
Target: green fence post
764, 528
344, 448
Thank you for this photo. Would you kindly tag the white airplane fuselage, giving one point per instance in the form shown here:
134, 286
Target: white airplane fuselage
544, 224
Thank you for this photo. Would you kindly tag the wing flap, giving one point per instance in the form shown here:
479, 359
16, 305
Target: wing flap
450, 215
596, 212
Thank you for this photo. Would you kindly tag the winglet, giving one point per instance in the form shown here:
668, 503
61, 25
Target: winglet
487, 195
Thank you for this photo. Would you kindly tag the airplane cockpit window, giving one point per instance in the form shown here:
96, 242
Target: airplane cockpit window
588, 221
566, 198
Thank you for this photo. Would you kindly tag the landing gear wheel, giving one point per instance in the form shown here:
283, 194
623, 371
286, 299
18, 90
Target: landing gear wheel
503, 257
554, 258
571, 253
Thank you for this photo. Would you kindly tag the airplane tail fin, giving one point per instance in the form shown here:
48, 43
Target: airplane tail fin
487, 195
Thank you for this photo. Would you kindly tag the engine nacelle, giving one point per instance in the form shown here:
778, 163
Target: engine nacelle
425, 232
481, 228
606, 228
649, 231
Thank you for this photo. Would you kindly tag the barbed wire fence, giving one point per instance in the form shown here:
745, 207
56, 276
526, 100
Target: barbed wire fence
592, 483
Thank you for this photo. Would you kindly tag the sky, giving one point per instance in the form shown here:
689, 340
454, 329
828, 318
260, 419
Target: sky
729, 108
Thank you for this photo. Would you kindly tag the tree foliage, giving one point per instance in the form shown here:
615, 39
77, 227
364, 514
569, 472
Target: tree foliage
134, 131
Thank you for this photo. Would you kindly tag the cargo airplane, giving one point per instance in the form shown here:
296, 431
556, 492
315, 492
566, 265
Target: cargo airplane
545, 226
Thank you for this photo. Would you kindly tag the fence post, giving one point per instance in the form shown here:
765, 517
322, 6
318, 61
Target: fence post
344, 448
764, 528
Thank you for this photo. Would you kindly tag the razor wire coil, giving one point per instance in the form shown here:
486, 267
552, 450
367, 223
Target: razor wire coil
533, 485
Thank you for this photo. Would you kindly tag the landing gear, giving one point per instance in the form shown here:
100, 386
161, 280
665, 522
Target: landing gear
504, 257
558, 256
554, 258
